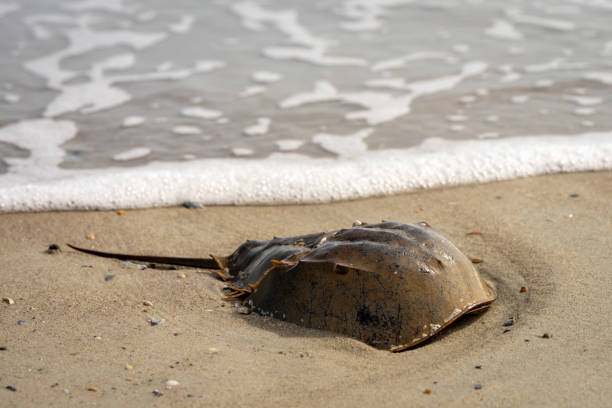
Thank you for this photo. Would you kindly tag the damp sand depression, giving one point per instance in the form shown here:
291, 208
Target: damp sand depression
130, 105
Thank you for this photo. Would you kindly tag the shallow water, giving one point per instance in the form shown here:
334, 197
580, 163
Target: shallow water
107, 104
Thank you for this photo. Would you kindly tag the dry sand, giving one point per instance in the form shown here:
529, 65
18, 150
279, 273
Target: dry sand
80, 331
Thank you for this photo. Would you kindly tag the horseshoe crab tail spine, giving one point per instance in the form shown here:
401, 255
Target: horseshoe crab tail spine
205, 263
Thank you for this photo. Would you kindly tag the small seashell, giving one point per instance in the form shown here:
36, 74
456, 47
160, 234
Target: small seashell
171, 383
8, 300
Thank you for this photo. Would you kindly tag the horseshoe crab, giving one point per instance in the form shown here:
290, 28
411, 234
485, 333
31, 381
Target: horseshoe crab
389, 285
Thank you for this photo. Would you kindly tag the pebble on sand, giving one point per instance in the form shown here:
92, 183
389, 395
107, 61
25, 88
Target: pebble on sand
147, 303
157, 320
129, 367
191, 205
477, 386
109, 277
171, 383
243, 310
93, 389
11, 388
426, 391
547, 336
20, 322
8, 300
53, 249
524, 289
130, 264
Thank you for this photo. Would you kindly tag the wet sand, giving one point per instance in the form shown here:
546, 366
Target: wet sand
551, 234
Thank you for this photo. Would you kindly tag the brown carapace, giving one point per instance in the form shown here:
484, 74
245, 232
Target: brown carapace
389, 285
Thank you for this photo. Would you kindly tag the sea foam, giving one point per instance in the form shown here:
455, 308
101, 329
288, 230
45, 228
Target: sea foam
285, 177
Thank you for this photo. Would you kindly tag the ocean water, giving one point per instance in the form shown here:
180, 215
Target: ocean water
142, 103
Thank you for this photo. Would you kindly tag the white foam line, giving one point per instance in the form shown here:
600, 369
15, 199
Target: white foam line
510, 77
517, 16
503, 29
98, 93
383, 107
117, 6
186, 130
132, 154
201, 113
132, 121
260, 128
43, 138
324, 91
10, 97
416, 56
286, 145
603, 77
290, 178
583, 100
83, 40
584, 111
208, 65
519, 99
310, 48
183, 25
265, 77
252, 91
165, 66
344, 146
555, 65
242, 151
366, 14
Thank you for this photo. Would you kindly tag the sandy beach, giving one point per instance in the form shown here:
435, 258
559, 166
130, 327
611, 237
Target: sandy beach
72, 328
